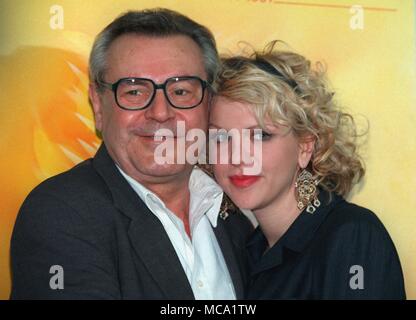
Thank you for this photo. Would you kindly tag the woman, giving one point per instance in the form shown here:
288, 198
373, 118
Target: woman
311, 243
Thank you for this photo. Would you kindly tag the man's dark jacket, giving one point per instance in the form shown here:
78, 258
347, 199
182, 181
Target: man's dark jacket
90, 222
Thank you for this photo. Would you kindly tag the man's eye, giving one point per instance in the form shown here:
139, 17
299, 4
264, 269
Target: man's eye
261, 135
181, 92
134, 93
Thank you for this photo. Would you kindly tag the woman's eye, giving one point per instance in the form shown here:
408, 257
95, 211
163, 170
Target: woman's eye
220, 137
260, 135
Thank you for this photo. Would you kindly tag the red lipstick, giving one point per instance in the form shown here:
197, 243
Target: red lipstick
243, 181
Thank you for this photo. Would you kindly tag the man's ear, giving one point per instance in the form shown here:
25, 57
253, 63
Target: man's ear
97, 106
306, 148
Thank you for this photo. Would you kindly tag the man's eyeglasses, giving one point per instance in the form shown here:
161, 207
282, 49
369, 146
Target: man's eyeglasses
138, 93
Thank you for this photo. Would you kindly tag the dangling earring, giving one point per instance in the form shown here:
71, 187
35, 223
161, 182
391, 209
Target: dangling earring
306, 192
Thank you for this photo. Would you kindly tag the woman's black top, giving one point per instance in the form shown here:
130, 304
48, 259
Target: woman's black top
341, 251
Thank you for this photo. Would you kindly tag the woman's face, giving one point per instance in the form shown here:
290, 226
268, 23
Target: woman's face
279, 160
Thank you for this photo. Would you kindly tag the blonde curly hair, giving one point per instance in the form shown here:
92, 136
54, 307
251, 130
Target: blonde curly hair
282, 86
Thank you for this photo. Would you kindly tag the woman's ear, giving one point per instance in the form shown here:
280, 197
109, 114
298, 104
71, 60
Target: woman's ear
306, 148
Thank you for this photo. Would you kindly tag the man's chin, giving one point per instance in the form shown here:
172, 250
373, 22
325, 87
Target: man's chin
166, 170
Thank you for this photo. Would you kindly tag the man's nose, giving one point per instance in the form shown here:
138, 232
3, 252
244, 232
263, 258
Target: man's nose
160, 110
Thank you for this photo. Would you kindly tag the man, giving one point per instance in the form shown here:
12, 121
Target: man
120, 225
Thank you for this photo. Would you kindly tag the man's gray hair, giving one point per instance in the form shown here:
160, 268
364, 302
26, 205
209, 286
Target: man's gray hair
153, 22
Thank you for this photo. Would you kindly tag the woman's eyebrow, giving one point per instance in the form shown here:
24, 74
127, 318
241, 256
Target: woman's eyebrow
251, 127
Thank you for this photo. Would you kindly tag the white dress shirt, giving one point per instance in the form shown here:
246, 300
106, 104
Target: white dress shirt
201, 258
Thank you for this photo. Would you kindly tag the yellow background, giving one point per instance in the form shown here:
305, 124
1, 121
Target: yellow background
46, 122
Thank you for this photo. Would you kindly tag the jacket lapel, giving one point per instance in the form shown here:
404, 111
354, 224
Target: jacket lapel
230, 257
147, 235
153, 246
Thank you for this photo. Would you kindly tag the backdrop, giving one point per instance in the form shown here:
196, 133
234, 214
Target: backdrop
369, 47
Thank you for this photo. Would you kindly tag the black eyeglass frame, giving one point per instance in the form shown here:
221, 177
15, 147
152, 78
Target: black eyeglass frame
113, 87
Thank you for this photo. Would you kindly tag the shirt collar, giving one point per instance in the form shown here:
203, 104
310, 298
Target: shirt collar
205, 196
296, 238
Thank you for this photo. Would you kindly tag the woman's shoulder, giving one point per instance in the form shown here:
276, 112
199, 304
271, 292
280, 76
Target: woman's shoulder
347, 213
351, 242
351, 222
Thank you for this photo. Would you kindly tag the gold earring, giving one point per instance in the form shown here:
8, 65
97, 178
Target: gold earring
306, 192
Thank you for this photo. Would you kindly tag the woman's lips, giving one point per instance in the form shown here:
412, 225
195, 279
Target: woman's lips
243, 181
